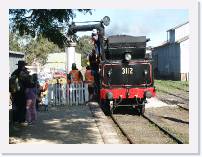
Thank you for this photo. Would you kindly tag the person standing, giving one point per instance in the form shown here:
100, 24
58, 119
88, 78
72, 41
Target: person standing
37, 91
31, 90
94, 66
89, 79
75, 75
96, 41
18, 97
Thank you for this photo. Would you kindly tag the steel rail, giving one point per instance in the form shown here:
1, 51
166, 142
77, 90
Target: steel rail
151, 121
122, 130
163, 130
184, 108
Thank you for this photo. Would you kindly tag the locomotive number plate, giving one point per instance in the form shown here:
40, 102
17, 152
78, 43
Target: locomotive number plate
127, 71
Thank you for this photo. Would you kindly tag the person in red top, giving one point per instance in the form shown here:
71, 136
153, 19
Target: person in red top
89, 79
75, 75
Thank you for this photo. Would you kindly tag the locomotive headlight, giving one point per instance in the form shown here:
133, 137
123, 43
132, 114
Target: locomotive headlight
145, 72
128, 56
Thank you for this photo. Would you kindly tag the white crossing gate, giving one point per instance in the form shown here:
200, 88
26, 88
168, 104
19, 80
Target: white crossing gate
77, 93
68, 94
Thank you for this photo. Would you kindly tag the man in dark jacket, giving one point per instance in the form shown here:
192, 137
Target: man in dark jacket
18, 98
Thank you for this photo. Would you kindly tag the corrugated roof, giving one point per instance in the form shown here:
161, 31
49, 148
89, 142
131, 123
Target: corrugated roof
182, 39
15, 52
178, 26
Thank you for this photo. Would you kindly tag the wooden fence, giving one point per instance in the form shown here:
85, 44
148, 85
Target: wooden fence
67, 94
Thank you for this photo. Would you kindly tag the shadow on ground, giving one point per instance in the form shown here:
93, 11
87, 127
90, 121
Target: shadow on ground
67, 125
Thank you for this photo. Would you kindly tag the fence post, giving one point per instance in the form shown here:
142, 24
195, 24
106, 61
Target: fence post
64, 89
52, 94
81, 101
67, 93
86, 92
71, 94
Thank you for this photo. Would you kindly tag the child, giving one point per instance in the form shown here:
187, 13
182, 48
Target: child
31, 103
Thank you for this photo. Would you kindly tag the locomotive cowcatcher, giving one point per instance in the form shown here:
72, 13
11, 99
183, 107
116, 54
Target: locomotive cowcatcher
125, 74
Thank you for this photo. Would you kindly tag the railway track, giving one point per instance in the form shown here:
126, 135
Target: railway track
163, 130
122, 130
183, 107
161, 133
175, 100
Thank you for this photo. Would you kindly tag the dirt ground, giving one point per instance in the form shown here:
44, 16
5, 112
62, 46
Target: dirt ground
61, 125
173, 119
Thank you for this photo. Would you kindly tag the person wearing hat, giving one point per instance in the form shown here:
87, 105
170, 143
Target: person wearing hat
75, 75
21, 68
18, 98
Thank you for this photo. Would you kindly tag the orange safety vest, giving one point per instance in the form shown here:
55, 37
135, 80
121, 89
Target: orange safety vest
75, 76
89, 77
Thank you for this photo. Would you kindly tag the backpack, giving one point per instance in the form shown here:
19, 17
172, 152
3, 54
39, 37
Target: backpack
14, 85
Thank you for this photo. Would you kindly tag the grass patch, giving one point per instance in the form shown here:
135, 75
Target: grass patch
169, 85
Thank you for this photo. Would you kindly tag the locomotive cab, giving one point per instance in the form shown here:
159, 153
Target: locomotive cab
126, 74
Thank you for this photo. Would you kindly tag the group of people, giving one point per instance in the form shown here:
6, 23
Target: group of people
75, 76
25, 93
25, 90
91, 74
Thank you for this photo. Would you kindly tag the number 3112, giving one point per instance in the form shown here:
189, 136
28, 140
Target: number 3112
127, 71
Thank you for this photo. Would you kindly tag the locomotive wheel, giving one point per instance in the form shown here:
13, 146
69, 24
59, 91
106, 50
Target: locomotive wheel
141, 109
105, 107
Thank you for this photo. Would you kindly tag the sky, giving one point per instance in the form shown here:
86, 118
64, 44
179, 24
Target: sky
150, 23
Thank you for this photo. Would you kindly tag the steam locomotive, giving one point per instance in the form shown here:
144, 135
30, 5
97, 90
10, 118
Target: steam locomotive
125, 74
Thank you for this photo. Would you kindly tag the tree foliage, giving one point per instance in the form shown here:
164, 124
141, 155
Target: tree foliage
39, 49
13, 42
46, 22
84, 46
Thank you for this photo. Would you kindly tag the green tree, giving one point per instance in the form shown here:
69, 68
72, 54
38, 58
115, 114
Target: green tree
13, 42
45, 22
84, 46
39, 49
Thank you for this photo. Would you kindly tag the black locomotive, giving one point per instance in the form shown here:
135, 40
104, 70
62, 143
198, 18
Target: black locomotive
125, 74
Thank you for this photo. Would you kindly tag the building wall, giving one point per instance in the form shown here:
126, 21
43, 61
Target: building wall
171, 60
184, 60
56, 61
167, 61
14, 57
59, 61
